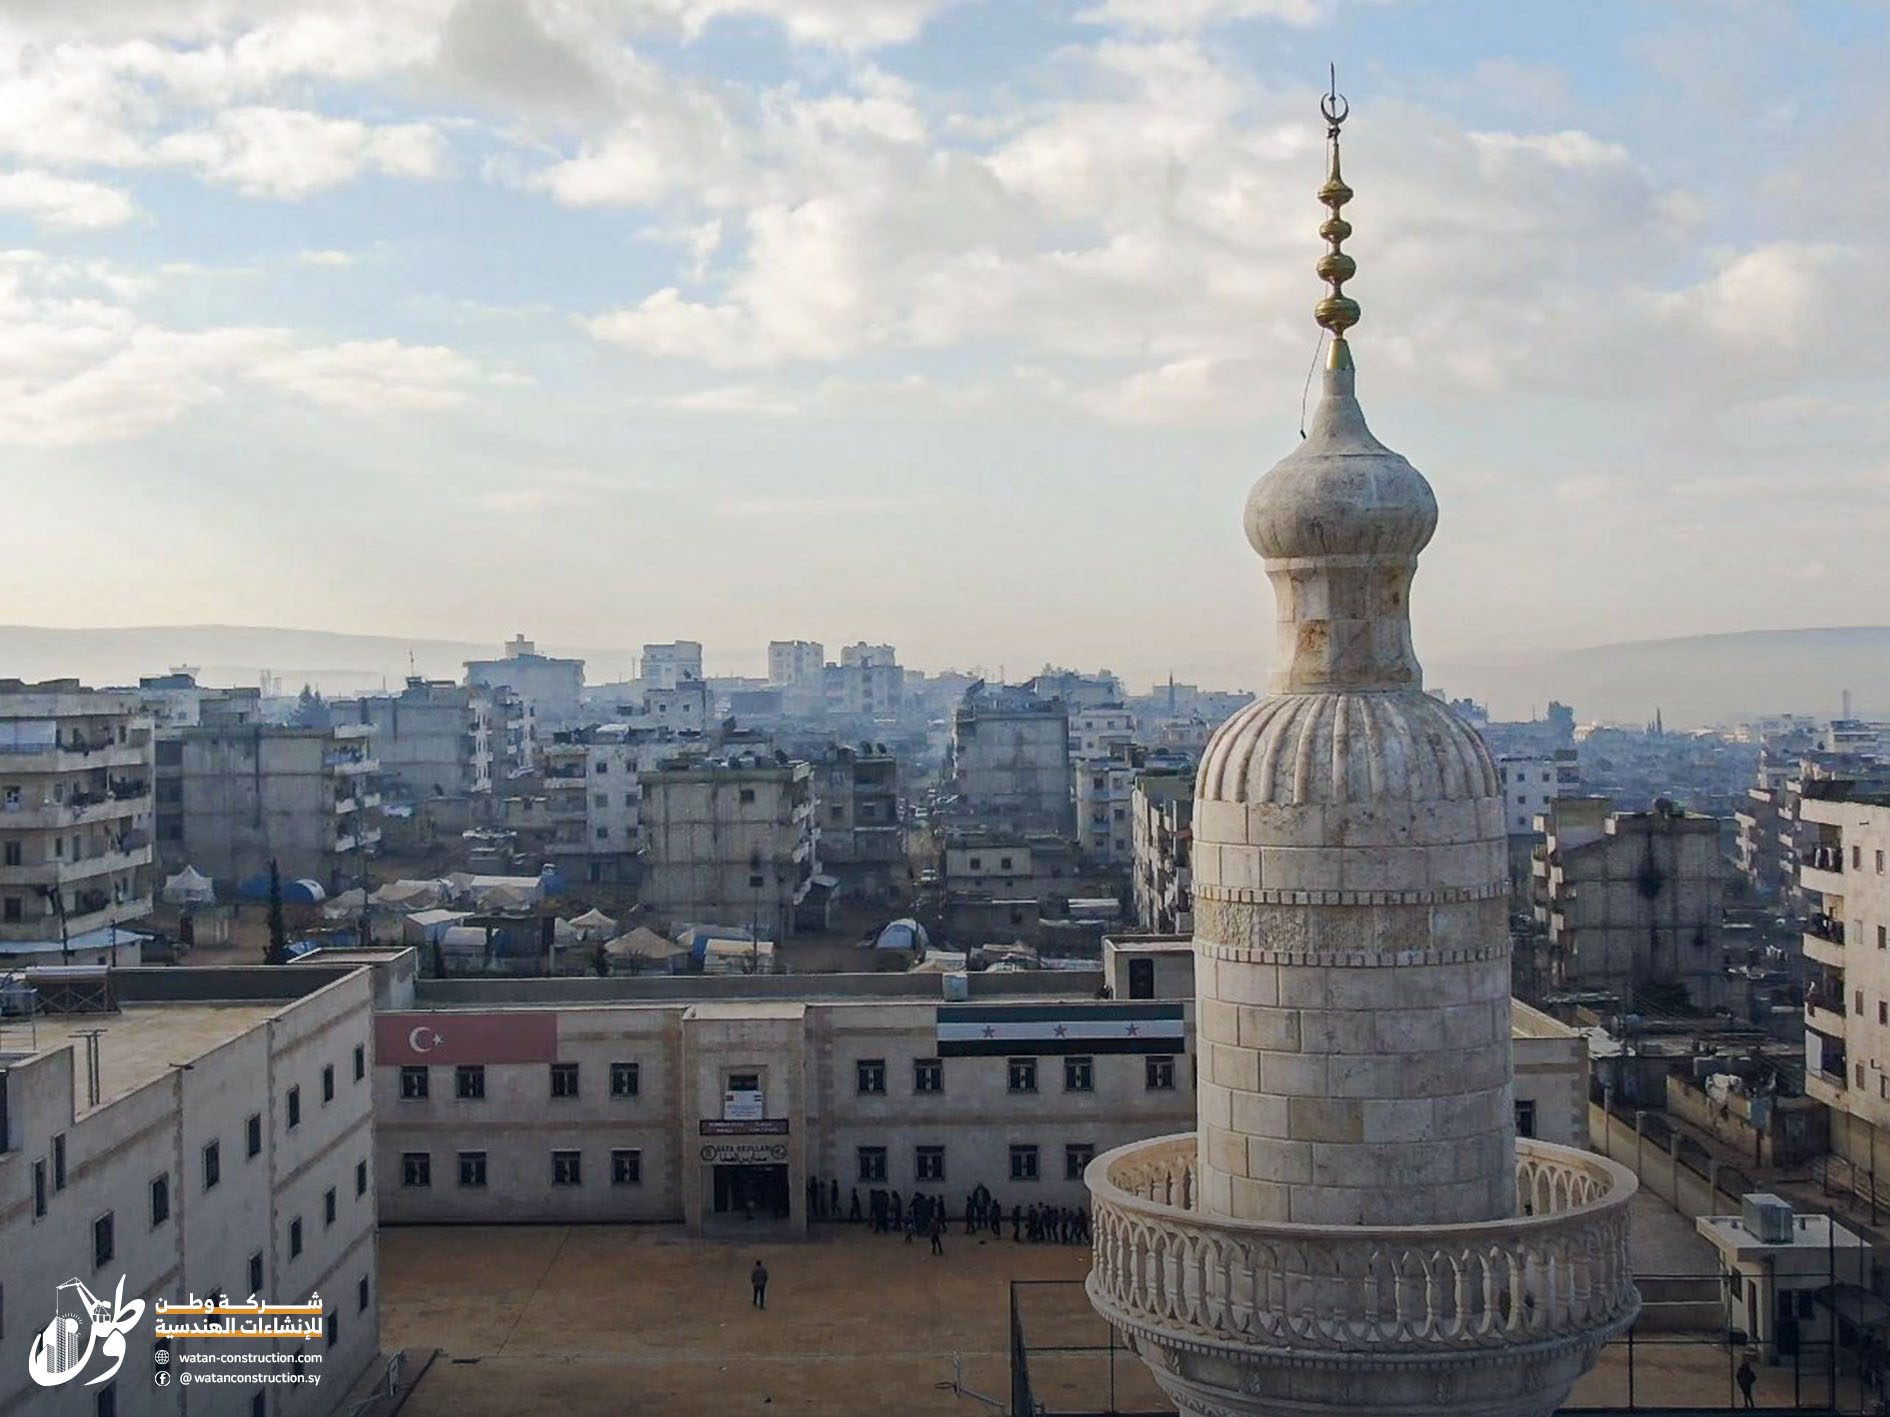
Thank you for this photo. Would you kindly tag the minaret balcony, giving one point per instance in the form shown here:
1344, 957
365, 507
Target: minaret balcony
1498, 1318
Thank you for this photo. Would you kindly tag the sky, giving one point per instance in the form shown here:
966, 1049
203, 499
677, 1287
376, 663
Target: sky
963, 325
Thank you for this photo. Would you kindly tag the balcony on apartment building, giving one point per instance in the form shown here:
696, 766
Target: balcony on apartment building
1821, 868
1824, 939
1824, 1002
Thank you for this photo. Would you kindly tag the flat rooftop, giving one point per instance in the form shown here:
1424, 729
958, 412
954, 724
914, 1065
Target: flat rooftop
139, 1044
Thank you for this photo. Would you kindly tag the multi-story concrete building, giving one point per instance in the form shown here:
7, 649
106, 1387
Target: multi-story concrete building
215, 1137
76, 817
682, 707
232, 798
177, 700
729, 840
861, 655
549, 690
1098, 732
1843, 870
594, 798
1530, 783
682, 1100
667, 665
1631, 902
1011, 762
862, 834
792, 663
433, 739
1161, 822
1353, 1224
867, 684
1105, 800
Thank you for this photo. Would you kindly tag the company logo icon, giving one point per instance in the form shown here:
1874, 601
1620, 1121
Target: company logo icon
80, 1323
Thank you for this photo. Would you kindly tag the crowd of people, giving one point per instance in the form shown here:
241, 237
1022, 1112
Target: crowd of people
922, 1216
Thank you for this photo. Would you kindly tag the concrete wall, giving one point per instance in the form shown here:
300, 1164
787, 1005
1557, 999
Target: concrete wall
713, 858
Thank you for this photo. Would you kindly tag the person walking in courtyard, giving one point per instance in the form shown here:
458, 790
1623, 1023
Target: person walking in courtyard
758, 1277
833, 1199
938, 1234
1747, 1379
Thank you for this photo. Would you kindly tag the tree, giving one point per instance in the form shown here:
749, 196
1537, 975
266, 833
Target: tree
278, 952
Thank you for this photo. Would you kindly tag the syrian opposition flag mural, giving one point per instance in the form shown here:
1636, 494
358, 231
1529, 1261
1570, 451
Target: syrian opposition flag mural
1024, 1030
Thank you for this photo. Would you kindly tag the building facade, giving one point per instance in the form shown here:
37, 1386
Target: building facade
1010, 762
792, 663
549, 690
1161, 820
433, 739
667, 665
862, 832
1105, 802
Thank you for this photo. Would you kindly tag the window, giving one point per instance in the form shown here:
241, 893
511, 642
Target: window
13, 853
258, 1402
1525, 1118
928, 1075
872, 1161
1159, 1073
59, 1162
928, 1163
1079, 1074
10, 909
1023, 1163
603, 833
744, 1082
39, 1189
625, 1079
332, 1323
1883, 938
295, 1237
1023, 1074
566, 1169
105, 1401
600, 799
360, 1178
212, 1165
472, 1169
256, 1273
102, 1241
252, 1135
757, 882
328, 1206
1860, 1075
328, 1083
1879, 863
295, 1107
748, 794
977, 863
1857, 858
416, 1168
1004, 863
626, 1167
361, 1295
413, 1083
869, 1075
1857, 999
602, 768
160, 1200
469, 1081
1141, 979
1883, 1012
1076, 1156
564, 1079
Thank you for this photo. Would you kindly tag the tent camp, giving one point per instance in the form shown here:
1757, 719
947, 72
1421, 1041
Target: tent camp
903, 934
189, 887
411, 895
644, 949
349, 903
594, 925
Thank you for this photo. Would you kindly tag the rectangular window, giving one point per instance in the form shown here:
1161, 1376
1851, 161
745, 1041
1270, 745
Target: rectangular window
872, 1163
360, 1178
360, 1062
295, 1107
472, 1169
59, 1162
626, 1167
416, 1168
1079, 1074
564, 1079
1022, 1073
10, 910
328, 1206
1076, 1156
1883, 938
39, 1190
413, 1083
102, 1241
928, 1075
105, 1401
1879, 863
295, 1237
869, 1075
469, 1081
566, 1168
328, 1083
625, 1079
361, 1295
928, 1163
1141, 979
1525, 1117
1023, 1163
744, 1082
748, 794
160, 1200
252, 1135
1158, 1073
256, 1273
332, 1323
212, 1165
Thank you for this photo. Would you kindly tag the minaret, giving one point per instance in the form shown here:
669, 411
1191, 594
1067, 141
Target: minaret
1353, 1226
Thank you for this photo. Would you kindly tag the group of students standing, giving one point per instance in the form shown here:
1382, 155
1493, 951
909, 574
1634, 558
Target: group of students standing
923, 1215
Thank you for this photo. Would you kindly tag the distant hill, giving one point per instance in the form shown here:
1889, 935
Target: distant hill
1698, 679
237, 654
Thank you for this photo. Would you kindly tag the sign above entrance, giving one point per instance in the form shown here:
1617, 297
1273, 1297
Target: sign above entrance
745, 1153
759, 1126
741, 1105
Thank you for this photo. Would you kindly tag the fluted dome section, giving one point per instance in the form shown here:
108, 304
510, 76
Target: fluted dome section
1326, 749
1341, 492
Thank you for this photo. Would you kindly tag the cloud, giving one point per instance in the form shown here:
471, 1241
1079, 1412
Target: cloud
324, 258
1185, 16
288, 154
373, 376
558, 489
819, 507
731, 398
64, 202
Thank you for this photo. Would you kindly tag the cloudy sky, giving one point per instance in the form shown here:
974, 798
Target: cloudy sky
963, 324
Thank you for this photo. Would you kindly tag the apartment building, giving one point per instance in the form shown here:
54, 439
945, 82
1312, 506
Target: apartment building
867, 683
1161, 839
729, 840
862, 836
1098, 732
594, 798
433, 739
1010, 762
1105, 803
795, 662
232, 798
214, 1135
76, 817
667, 665
549, 690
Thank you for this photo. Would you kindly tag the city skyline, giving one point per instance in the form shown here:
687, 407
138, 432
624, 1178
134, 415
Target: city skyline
956, 325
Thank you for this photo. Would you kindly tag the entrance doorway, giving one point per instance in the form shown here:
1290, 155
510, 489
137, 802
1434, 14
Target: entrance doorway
760, 1192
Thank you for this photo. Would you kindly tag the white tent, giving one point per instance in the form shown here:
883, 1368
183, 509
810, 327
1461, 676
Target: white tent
348, 903
594, 925
411, 895
189, 887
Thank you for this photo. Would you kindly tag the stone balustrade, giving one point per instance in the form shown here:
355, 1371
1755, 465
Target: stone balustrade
1555, 1273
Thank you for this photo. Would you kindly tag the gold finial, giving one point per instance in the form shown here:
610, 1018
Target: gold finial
1338, 312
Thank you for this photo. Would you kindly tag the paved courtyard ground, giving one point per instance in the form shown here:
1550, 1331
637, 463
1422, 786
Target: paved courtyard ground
596, 1320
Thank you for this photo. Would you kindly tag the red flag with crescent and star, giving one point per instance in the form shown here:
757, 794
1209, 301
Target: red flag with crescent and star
451, 1037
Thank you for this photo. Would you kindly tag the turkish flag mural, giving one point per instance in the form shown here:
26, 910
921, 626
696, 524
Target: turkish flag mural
448, 1037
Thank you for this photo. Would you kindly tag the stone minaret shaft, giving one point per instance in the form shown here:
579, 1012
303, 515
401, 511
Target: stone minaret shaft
1351, 920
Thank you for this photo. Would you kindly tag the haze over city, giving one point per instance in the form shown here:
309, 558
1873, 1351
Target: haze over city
963, 326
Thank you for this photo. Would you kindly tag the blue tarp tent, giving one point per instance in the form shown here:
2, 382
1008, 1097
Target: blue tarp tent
297, 892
